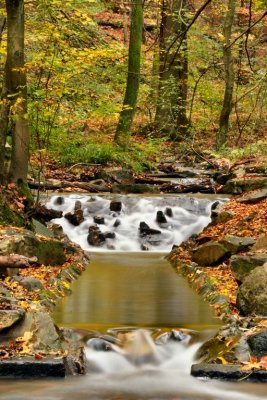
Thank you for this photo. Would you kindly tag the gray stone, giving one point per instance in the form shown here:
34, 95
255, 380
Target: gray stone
261, 244
48, 251
31, 283
9, 317
252, 294
235, 244
241, 266
28, 368
252, 198
241, 185
211, 253
40, 331
227, 372
258, 344
221, 217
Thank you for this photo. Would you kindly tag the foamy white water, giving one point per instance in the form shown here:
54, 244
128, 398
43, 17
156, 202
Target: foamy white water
187, 216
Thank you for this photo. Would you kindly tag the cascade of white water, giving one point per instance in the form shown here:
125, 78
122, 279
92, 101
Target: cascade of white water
120, 230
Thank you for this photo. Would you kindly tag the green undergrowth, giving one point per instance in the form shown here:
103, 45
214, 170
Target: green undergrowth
139, 157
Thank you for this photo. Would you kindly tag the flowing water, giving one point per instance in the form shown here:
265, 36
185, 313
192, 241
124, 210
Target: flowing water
123, 287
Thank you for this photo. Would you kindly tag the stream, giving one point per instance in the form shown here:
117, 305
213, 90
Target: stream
138, 299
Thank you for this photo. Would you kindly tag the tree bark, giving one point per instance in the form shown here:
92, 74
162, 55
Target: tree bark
123, 132
173, 70
17, 82
222, 134
14, 97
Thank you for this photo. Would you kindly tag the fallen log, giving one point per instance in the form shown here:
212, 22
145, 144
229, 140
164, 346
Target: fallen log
18, 261
55, 185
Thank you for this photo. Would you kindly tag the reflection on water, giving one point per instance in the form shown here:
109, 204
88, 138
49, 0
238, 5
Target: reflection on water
133, 289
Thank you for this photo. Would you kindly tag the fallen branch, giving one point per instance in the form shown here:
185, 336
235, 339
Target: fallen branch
18, 261
90, 187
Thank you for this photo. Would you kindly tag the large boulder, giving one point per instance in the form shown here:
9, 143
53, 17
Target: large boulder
211, 253
235, 244
241, 185
48, 251
252, 198
252, 294
258, 344
10, 317
241, 266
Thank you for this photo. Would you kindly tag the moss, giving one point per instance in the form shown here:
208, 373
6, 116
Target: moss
8, 216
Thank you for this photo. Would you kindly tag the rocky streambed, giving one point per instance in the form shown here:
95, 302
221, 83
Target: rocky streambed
227, 264
31, 345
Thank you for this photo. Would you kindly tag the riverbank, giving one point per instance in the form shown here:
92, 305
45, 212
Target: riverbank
31, 345
227, 265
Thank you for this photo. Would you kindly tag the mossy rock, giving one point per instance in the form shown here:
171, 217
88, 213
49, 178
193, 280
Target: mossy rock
9, 217
48, 251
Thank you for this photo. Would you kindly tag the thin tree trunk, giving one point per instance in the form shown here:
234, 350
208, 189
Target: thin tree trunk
222, 133
17, 87
123, 132
172, 91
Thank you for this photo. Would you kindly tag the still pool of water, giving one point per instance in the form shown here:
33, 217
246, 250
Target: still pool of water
135, 289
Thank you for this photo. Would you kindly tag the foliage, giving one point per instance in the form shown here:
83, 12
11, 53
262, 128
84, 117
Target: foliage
77, 69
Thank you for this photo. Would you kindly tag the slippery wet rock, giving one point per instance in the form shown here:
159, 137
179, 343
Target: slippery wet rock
109, 235
59, 200
117, 223
169, 212
252, 294
241, 266
75, 218
99, 344
99, 220
227, 372
9, 317
145, 230
95, 237
258, 344
160, 218
28, 368
172, 336
77, 205
115, 206
253, 198
211, 253
235, 244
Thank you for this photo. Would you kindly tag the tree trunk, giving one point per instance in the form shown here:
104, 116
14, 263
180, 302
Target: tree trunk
4, 111
173, 69
14, 96
123, 132
222, 133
